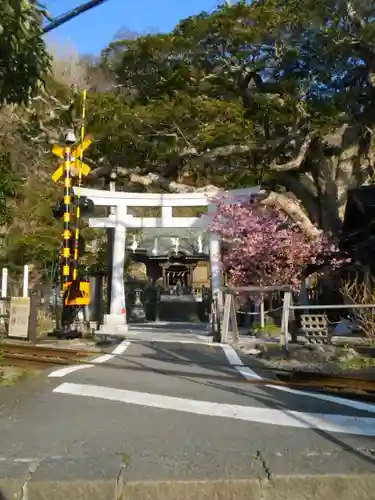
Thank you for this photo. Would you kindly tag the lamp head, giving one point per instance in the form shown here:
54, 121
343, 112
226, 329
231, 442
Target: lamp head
70, 137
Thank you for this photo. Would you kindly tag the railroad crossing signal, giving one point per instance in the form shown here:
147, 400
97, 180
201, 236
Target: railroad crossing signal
77, 294
75, 163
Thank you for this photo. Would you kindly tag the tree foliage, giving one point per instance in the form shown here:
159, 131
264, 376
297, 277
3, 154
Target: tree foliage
8, 186
261, 92
29, 234
24, 60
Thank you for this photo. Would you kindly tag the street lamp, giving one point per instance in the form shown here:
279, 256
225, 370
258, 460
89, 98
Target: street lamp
69, 137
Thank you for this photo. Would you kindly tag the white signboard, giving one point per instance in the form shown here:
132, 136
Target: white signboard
19, 317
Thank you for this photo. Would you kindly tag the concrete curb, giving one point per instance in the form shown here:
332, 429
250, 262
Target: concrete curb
314, 487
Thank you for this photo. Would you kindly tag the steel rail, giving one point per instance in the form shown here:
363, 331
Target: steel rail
23, 359
331, 383
303, 375
43, 351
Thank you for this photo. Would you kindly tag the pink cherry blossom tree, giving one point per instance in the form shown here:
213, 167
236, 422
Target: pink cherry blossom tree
263, 247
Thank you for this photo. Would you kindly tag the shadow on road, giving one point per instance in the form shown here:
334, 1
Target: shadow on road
187, 355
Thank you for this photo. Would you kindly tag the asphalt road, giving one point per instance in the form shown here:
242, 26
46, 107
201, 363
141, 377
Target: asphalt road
171, 410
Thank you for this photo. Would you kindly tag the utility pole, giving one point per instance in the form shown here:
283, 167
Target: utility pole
64, 18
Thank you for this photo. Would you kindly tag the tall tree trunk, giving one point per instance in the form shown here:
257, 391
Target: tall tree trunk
337, 163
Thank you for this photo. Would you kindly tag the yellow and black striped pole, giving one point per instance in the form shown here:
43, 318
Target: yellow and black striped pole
66, 217
79, 162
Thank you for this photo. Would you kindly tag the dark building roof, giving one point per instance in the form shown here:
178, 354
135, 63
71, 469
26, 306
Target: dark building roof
358, 231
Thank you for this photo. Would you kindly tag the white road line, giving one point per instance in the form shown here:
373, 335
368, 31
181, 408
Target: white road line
62, 372
236, 363
198, 342
182, 341
362, 426
26, 460
121, 348
249, 374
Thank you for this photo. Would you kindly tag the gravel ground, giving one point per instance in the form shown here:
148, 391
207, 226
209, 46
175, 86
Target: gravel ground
314, 358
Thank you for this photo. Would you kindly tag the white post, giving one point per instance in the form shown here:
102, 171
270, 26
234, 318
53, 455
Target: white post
25, 292
4, 292
284, 337
155, 250
166, 213
112, 187
216, 274
4, 283
261, 314
200, 244
115, 323
119, 247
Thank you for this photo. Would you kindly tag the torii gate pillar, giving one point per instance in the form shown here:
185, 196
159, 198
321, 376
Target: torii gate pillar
115, 323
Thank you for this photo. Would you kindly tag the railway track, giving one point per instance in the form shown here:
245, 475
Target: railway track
350, 386
324, 379
29, 354
339, 385
342, 384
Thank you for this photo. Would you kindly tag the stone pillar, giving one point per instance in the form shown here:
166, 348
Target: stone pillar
216, 283
216, 272
119, 249
110, 182
115, 323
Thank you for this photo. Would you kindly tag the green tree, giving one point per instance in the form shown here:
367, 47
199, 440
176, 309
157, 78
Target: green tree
8, 187
24, 60
33, 236
29, 234
266, 91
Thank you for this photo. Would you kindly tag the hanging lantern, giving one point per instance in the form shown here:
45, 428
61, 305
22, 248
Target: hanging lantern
155, 250
134, 244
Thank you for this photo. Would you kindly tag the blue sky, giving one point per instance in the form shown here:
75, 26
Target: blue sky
93, 30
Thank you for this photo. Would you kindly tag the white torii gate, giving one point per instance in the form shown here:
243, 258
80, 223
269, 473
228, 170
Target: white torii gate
115, 323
